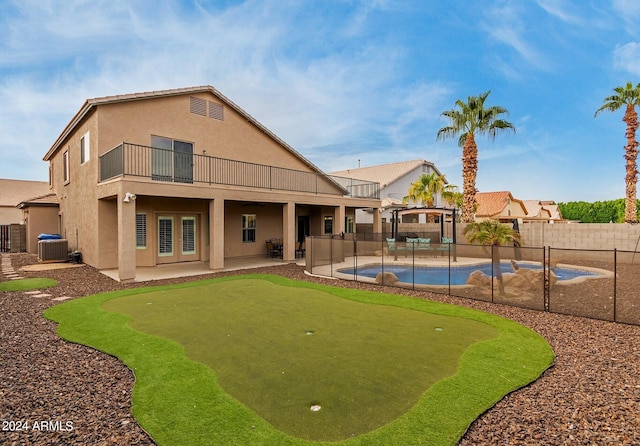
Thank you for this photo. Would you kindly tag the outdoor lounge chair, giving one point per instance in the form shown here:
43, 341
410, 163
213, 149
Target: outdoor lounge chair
445, 244
395, 248
419, 245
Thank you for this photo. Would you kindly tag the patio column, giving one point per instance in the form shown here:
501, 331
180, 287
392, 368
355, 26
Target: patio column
339, 213
216, 234
289, 232
126, 238
377, 221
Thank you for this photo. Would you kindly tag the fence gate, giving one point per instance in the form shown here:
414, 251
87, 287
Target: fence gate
4, 238
13, 238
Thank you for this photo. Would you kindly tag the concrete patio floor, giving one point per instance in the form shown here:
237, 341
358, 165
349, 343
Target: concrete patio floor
173, 270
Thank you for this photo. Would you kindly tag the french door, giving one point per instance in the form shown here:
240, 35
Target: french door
177, 238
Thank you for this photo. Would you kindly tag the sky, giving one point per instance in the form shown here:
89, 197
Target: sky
345, 82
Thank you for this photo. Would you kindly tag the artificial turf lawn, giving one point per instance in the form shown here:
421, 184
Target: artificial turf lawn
27, 284
383, 374
280, 349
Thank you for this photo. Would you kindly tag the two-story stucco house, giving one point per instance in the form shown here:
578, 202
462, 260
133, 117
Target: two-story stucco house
186, 175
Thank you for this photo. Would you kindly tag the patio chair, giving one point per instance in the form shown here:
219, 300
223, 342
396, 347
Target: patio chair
300, 250
272, 251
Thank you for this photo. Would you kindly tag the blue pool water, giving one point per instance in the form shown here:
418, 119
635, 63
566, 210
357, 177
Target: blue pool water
428, 275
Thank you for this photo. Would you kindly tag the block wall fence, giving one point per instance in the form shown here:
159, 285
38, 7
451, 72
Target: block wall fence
589, 236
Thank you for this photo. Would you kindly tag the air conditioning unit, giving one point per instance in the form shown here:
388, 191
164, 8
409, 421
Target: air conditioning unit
53, 250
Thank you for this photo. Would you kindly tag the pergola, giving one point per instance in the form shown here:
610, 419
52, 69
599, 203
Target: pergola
441, 211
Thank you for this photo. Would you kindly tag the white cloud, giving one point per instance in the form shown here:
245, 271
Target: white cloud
627, 8
561, 9
627, 58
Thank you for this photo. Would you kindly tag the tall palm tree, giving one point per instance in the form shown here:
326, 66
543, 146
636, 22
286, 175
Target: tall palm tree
492, 233
467, 120
425, 190
628, 96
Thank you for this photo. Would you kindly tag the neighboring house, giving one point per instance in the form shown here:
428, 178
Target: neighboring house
395, 181
187, 175
40, 215
499, 206
554, 210
542, 211
12, 192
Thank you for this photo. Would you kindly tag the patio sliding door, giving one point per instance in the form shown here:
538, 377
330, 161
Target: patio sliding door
171, 160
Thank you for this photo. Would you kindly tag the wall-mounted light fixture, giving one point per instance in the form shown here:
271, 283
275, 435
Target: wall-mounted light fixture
128, 197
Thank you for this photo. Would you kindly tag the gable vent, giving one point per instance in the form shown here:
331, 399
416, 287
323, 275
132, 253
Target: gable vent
198, 106
216, 111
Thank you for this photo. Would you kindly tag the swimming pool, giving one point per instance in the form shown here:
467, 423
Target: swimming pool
429, 275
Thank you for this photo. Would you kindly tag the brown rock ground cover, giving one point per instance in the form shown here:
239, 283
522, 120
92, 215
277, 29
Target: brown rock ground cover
591, 396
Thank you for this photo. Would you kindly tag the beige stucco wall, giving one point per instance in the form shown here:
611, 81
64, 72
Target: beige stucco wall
78, 195
269, 224
514, 209
39, 220
10, 215
107, 237
233, 138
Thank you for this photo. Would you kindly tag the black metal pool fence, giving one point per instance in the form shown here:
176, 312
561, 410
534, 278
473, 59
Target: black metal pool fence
607, 286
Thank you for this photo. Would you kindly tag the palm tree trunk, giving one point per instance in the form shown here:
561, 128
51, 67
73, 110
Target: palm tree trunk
631, 154
430, 217
469, 172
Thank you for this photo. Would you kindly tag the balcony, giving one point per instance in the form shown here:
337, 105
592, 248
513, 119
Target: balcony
133, 160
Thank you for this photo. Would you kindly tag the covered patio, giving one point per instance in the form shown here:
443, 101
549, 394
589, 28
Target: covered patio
189, 269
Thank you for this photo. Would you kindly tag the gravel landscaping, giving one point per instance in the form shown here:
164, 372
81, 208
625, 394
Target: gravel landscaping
76, 395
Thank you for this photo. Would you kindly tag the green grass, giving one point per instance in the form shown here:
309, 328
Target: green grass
27, 284
209, 359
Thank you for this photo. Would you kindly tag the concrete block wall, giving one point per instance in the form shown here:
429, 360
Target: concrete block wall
596, 236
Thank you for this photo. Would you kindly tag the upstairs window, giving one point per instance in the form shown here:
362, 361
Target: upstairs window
84, 148
65, 166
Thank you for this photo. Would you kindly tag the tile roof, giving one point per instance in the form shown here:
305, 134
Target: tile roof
50, 199
492, 203
384, 174
533, 207
13, 192
547, 210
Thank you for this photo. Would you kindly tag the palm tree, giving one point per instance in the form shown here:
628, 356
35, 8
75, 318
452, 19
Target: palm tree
452, 196
425, 189
492, 233
467, 120
628, 96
